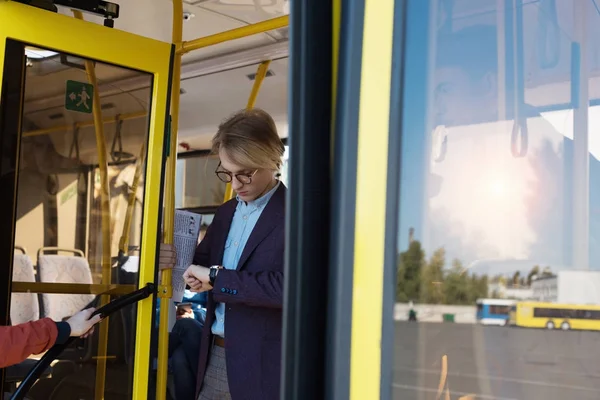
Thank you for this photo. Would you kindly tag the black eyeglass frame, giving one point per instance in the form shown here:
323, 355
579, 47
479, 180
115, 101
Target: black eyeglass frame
226, 176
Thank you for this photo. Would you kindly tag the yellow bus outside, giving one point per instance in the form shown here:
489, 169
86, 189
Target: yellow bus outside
555, 316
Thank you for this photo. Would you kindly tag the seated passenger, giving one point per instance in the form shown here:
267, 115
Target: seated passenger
20, 341
184, 339
184, 355
193, 305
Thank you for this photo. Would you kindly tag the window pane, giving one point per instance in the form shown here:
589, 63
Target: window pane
500, 198
60, 226
201, 186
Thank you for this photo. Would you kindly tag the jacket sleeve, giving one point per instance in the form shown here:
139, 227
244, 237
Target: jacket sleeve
20, 341
258, 289
202, 254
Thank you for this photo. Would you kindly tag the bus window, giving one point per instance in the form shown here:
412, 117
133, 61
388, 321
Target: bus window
499, 198
493, 311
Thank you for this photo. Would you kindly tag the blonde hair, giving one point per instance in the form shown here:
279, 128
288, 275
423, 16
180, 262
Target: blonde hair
250, 139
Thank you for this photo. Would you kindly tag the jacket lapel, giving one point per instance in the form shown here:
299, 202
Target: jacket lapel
223, 230
271, 216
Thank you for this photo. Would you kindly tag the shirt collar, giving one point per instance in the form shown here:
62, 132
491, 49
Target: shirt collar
261, 201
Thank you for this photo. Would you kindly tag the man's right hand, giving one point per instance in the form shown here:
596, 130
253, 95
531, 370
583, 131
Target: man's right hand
81, 324
167, 256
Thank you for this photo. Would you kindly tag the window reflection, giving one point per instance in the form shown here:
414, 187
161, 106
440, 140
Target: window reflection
500, 199
62, 234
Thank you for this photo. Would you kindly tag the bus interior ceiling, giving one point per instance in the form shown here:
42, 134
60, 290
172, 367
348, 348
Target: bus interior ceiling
59, 153
58, 144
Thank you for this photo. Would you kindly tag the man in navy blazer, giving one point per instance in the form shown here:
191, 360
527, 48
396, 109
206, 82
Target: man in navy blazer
240, 264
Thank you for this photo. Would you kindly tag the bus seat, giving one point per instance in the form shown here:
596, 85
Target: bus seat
56, 268
24, 307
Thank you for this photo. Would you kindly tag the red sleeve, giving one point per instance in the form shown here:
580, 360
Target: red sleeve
20, 341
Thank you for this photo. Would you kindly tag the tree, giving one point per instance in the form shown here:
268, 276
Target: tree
546, 273
433, 278
515, 278
456, 285
408, 282
426, 281
535, 271
478, 287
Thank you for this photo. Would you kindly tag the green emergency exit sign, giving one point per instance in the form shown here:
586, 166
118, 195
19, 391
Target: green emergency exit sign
79, 97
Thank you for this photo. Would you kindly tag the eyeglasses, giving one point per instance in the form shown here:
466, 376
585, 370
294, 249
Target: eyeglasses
227, 177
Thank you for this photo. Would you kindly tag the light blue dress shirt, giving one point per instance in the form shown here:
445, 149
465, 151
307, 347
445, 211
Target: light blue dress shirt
244, 219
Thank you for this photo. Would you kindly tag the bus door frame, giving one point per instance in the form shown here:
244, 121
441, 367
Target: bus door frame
32, 26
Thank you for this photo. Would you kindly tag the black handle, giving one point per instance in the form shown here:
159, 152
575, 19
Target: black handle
126, 300
57, 349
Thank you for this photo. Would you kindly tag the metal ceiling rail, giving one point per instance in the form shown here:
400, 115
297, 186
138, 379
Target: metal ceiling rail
233, 34
190, 70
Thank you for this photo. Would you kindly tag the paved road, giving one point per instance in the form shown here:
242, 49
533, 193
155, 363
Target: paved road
495, 362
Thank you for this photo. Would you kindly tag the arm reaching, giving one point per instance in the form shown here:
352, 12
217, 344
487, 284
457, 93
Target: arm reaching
81, 324
20, 341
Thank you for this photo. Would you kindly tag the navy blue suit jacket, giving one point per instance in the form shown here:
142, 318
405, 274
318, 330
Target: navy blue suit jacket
253, 297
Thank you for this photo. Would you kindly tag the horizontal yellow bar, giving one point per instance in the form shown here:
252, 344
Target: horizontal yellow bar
65, 128
71, 288
233, 34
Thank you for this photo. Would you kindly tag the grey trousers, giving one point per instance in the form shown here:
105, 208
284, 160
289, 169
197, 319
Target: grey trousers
215, 386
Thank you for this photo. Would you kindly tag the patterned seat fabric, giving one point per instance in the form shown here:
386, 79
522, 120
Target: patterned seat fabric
64, 269
24, 307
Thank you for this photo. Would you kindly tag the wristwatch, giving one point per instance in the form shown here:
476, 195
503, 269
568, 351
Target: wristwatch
212, 275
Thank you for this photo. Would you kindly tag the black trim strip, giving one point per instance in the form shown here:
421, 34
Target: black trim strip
308, 201
167, 136
201, 210
11, 104
207, 152
392, 200
343, 208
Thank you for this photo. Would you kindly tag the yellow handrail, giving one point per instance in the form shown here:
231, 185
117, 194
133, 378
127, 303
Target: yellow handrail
105, 207
183, 47
71, 288
261, 72
65, 128
233, 34
124, 241
165, 291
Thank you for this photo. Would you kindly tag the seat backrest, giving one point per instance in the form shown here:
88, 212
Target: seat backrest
24, 307
55, 268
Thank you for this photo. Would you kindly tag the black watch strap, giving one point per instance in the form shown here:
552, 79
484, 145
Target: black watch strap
212, 275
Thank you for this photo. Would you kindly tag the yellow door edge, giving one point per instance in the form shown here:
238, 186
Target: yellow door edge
373, 133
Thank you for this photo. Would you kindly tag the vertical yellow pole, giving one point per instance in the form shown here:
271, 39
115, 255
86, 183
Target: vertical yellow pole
261, 73
105, 207
166, 276
335, 47
124, 241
